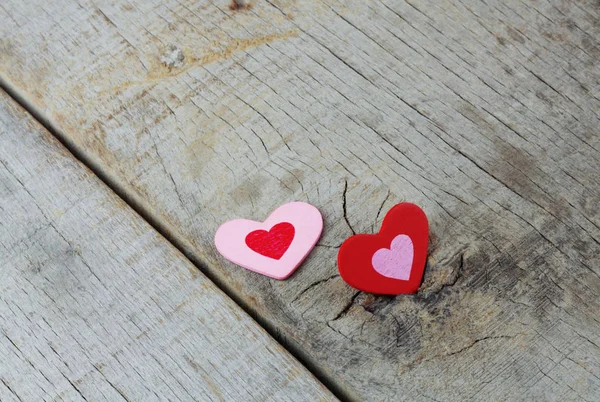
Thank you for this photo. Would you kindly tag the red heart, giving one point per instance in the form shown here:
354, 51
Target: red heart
356, 254
274, 243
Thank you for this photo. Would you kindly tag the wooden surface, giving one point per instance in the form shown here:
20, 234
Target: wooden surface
486, 114
95, 305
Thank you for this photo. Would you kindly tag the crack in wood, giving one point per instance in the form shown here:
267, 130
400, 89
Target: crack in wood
344, 207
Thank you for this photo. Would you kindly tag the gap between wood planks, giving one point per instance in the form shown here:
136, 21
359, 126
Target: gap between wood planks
178, 241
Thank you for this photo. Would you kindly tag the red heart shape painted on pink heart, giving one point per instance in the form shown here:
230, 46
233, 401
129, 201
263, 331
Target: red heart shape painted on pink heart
274, 243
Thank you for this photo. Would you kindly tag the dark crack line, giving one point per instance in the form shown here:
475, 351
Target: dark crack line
12, 391
312, 285
344, 207
346, 307
469, 346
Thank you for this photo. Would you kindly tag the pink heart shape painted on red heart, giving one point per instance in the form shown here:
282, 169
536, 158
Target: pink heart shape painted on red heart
395, 262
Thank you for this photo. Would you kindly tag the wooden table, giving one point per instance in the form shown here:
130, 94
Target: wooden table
180, 115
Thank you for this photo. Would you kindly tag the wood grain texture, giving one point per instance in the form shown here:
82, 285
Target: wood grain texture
96, 305
484, 113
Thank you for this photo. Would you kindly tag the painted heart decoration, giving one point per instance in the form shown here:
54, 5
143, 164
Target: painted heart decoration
395, 262
275, 247
391, 262
273, 243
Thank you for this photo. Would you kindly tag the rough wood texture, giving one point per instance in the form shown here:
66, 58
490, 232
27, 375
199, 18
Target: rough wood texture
485, 113
95, 305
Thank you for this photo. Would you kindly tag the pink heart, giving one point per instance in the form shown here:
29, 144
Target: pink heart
237, 240
395, 262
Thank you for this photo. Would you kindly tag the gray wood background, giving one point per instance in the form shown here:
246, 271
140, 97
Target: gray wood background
95, 305
485, 113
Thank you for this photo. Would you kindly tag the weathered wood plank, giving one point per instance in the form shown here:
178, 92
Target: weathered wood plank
484, 113
96, 305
